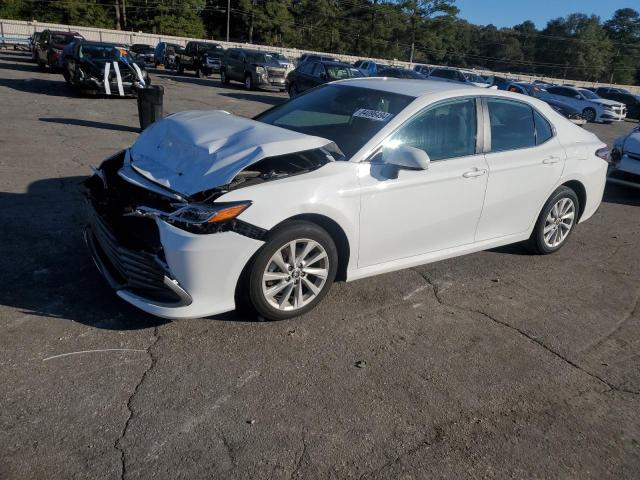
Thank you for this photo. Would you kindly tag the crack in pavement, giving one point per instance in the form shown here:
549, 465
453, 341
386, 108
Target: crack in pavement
537, 341
633, 312
424, 443
301, 458
118, 443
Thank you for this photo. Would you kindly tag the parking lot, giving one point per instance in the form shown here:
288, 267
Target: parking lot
494, 365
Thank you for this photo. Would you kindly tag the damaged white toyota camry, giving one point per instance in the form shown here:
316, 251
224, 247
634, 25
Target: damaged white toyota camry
208, 210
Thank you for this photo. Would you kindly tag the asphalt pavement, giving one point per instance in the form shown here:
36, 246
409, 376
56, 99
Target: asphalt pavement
499, 364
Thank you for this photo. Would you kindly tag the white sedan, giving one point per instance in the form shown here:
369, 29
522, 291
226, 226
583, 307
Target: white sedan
593, 107
352, 179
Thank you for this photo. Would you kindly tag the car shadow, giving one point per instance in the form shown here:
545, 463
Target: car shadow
622, 194
21, 66
38, 86
256, 97
91, 124
45, 261
47, 265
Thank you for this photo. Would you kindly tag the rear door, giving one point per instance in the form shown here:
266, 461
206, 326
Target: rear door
525, 162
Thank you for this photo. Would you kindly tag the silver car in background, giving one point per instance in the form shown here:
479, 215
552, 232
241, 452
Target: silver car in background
625, 160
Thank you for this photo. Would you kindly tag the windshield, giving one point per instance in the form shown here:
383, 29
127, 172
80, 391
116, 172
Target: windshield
62, 39
280, 57
103, 52
146, 50
472, 77
349, 116
588, 94
338, 73
263, 58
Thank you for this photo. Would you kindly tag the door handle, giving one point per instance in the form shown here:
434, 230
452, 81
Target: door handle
551, 160
474, 173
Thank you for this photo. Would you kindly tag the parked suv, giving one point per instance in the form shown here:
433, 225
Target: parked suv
201, 57
50, 45
252, 67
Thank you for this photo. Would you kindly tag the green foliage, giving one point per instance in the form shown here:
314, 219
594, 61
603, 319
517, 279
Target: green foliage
429, 31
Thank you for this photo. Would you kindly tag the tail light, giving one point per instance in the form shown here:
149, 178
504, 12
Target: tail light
603, 153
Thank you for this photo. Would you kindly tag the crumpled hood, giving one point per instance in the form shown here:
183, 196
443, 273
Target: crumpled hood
190, 152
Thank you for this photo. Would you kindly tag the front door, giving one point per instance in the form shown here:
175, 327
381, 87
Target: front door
422, 211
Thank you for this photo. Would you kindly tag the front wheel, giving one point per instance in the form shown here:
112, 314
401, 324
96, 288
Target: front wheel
201, 74
180, 69
556, 221
248, 82
293, 271
223, 77
293, 91
589, 114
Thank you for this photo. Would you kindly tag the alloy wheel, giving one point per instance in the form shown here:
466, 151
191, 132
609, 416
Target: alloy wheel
295, 274
559, 222
247, 82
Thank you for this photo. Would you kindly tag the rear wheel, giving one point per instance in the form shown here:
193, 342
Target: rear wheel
589, 114
556, 221
293, 271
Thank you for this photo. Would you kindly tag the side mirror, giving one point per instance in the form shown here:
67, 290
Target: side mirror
411, 158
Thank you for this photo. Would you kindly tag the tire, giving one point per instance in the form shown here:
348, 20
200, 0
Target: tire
223, 78
248, 82
293, 91
589, 114
556, 222
291, 283
201, 74
67, 76
180, 68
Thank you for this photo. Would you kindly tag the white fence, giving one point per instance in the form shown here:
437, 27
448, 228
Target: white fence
22, 29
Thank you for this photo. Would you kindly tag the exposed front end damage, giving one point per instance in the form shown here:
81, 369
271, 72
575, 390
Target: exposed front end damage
179, 253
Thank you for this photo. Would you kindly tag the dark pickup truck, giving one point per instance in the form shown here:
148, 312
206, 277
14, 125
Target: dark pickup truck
201, 57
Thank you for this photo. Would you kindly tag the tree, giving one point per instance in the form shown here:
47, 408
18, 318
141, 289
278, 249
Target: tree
418, 11
624, 30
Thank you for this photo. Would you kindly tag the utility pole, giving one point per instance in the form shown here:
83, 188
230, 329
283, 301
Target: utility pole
117, 7
228, 17
124, 14
613, 65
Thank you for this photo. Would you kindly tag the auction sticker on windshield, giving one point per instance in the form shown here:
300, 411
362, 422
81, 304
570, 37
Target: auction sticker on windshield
374, 115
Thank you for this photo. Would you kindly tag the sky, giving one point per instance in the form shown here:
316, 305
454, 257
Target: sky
506, 13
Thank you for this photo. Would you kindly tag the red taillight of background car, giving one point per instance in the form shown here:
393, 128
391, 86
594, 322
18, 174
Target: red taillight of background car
603, 153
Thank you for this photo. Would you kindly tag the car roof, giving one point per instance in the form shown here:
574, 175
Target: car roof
411, 87
65, 33
333, 63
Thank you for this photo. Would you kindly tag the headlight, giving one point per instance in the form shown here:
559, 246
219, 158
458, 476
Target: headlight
198, 217
200, 214
260, 70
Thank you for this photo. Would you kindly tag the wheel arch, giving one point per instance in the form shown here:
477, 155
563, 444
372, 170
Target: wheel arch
336, 232
581, 192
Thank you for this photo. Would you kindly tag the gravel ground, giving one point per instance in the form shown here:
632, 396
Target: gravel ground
494, 365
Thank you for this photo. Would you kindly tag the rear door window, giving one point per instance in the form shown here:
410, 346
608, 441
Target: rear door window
512, 125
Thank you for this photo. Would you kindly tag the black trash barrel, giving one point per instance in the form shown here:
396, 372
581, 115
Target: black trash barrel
150, 104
